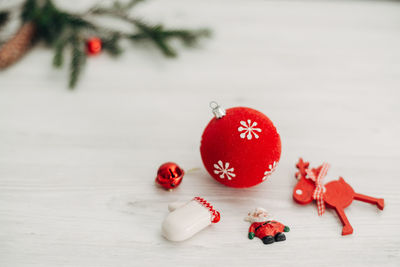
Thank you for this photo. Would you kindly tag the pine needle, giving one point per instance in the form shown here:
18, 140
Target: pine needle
58, 59
78, 58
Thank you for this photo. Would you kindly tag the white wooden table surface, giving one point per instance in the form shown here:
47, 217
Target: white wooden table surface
77, 168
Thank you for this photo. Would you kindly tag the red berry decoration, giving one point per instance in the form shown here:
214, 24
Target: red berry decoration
169, 175
93, 46
240, 147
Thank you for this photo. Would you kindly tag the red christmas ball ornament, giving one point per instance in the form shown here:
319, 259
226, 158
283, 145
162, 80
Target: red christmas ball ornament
93, 46
169, 175
240, 147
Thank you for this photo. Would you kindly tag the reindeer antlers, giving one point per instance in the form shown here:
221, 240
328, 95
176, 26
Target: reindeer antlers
302, 166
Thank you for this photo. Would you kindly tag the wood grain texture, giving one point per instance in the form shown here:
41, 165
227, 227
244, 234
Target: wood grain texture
77, 168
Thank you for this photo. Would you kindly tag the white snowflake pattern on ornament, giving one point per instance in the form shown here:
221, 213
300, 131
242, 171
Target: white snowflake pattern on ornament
248, 129
271, 169
223, 171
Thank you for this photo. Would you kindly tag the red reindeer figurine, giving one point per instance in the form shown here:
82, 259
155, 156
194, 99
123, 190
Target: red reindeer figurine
336, 194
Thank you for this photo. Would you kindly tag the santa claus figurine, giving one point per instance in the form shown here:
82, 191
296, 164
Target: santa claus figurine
265, 228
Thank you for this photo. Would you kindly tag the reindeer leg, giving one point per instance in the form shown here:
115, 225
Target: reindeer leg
347, 228
376, 201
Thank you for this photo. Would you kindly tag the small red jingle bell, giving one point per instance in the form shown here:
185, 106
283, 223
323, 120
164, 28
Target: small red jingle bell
169, 175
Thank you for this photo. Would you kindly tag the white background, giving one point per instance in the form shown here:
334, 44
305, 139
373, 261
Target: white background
77, 168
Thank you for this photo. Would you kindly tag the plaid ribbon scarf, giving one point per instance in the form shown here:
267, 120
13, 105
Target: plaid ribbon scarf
318, 194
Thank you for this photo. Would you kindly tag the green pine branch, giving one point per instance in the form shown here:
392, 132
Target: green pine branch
61, 30
116, 7
111, 44
188, 37
155, 33
51, 23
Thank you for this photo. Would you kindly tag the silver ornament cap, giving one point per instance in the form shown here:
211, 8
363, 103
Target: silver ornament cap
217, 110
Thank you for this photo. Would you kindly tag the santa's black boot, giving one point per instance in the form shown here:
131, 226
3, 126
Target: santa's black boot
268, 239
280, 237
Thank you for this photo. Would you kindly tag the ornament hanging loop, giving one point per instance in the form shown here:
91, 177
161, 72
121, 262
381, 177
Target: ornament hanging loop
217, 110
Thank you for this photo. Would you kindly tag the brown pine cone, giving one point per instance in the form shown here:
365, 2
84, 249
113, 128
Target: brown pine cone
17, 46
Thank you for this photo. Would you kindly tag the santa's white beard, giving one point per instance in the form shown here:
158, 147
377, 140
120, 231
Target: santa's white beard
257, 219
